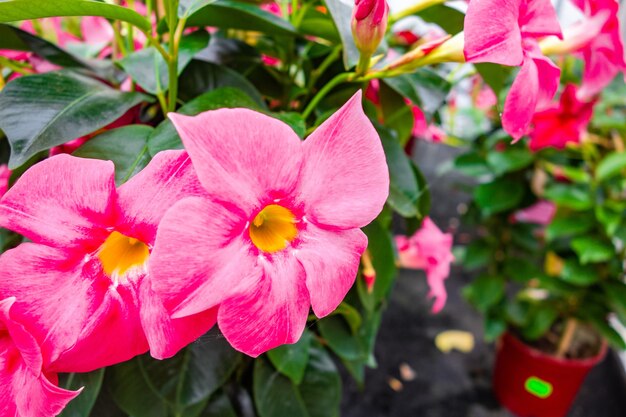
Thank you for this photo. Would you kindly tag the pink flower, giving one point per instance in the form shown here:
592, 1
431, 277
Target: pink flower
83, 282
25, 388
542, 212
96, 30
604, 54
431, 250
369, 23
562, 123
279, 229
505, 32
5, 175
423, 130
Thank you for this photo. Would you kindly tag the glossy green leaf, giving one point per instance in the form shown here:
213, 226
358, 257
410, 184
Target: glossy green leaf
611, 166
484, 292
511, 159
351, 315
165, 136
219, 406
148, 68
477, 254
495, 326
380, 248
599, 322
472, 164
41, 111
132, 392
90, 383
126, 146
570, 224
592, 249
567, 195
494, 75
397, 114
450, 19
319, 394
337, 333
541, 318
294, 120
500, 195
291, 360
577, 274
341, 12
230, 14
424, 88
16, 10
318, 24
188, 7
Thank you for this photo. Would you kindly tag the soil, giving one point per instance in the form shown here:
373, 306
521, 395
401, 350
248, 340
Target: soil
415, 379
586, 342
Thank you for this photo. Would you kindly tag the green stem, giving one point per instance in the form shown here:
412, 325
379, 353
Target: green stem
364, 63
332, 57
340, 78
173, 64
415, 8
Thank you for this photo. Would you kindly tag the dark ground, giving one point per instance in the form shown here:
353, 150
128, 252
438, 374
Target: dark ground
453, 384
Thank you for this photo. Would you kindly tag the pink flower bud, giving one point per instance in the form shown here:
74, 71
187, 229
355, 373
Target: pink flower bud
369, 23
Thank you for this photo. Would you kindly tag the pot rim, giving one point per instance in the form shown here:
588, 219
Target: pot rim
571, 363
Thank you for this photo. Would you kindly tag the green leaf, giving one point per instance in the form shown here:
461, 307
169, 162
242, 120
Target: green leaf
219, 406
607, 331
229, 14
424, 88
494, 75
592, 249
472, 164
132, 392
294, 120
511, 159
319, 394
477, 254
570, 224
495, 326
318, 24
126, 146
91, 383
337, 333
165, 136
341, 12
577, 274
16, 10
450, 19
484, 292
188, 7
351, 315
521, 270
500, 195
396, 113
575, 197
291, 360
200, 77
380, 248
41, 111
541, 318
615, 292
611, 166
148, 68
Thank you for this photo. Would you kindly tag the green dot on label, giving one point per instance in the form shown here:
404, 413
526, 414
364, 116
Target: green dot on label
538, 387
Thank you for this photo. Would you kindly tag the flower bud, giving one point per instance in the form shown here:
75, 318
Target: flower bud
369, 23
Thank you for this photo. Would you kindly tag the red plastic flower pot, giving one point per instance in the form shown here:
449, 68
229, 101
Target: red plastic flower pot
531, 383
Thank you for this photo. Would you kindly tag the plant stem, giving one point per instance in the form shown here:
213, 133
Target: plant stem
415, 8
173, 64
340, 78
364, 63
332, 57
566, 339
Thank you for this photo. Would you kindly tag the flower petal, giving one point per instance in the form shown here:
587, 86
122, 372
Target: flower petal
167, 336
143, 200
345, 179
49, 206
271, 311
538, 18
331, 262
492, 32
241, 156
199, 255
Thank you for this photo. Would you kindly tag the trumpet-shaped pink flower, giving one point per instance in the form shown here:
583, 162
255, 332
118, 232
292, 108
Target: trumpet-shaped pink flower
542, 212
25, 388
431, 250
604, 54
279, 229
562, 123
82, 285
505, 32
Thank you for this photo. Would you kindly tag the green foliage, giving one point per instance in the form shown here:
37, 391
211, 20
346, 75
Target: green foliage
90, 383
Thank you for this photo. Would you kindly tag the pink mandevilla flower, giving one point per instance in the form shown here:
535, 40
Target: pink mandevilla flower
369, 23
279, 229
542, 213
505, 32
26, 389
562, 123
604, 54
431, 250
82, 285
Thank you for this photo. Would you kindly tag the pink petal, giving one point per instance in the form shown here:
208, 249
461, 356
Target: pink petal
408, 254
542, 212
167, 336
80, 320
199, 255
96, 30
144, 199
271, 311
68, 214
345, 179
538, 18
492, 32
528, 91
435, 276
242, 156
331, 262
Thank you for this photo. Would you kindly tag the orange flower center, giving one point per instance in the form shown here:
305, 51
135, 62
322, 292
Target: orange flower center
273, 228
119, 254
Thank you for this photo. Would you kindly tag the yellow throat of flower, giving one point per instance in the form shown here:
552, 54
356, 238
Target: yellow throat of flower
273, 228
119, 254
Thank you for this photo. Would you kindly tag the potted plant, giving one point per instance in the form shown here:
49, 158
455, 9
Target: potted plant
551, 225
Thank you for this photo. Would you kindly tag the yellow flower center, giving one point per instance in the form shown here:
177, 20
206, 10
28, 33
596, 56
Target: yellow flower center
273, 228
119, 254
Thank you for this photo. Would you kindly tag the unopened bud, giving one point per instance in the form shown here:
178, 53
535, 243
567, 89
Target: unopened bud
369, 23
369, 273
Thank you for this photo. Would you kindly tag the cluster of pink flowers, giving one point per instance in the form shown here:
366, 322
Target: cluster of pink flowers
250, 227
